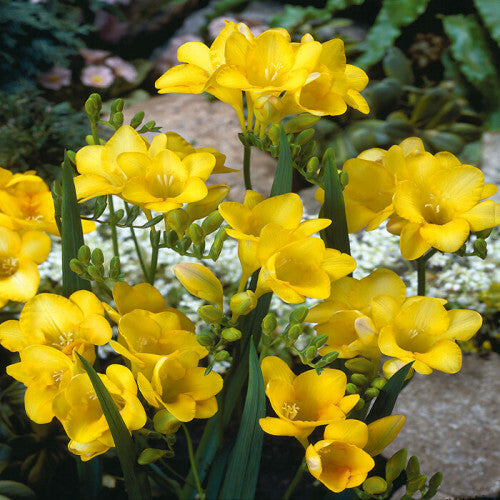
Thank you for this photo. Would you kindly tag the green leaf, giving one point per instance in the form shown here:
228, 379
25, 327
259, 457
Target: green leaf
384, 404
153, 221
71, 233
490, 14
393, 15
14, 490
135, 479
284, 171
242, 473
335, 235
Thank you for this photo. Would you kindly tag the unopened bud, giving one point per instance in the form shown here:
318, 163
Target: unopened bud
165, 423
415, 484
319, 340
378, 382
371, 392
84, 254
205, 340
242, 303
351, 388
150, 455
375, 485
481, 248
195, 232
171, 238
329, 358
210, 314
117, 105
344, 178
269, 324
212, 222
359, 365
97, 257
310, 353
294, 332
118, 119
274, 133
312, 165
301, 122
178, 220
435, 482
137, 119
299, 315
360, 404
413, 467
76, 266
221, 356
359, 379
395, 465
71, 156
484, 233
305, 136
93, 272
231, 334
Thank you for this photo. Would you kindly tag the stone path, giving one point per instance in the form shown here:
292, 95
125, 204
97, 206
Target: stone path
453, 422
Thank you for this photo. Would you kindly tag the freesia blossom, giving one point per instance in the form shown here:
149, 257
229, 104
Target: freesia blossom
64, 323
305, 401
19, 256
80, 412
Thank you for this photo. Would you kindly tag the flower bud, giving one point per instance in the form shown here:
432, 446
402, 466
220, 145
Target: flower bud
305, 136
382, 432
274, 133
200, 282
114, 264
344, 178
378, 383
151, 455
299, 315
221, 356
415, 484
117, 105
71, 156
195, 232
371, 393
171, 238
118, 119
97, 257
294, 332
329, 358
359, 379
205, 340
312, 165
210, 314
231, 334
165, 423
84, 254
242, 303
359, 365
395, 465
178, 220
301, 122
351, 388
435, 483
375, 485
269, 324
267, 108
413, 467
93, 272
310, 353
76, 266
212, 222
137, 119
484, 233
481, 248
319, 340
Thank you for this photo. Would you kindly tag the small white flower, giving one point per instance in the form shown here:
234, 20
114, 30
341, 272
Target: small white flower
122, 68
55, 78
97, 76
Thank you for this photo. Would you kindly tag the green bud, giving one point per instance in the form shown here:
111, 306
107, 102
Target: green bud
93, 272
375, 485
274, 132
415, 484
319, 340
305, 136
118, 119
178, 220
299, 315
360, 404
310, 353
351, 388
84, 254
269, 324
344, 178
212, 222
185, 244
481, 248
114, 264
413, 468
150, 455
117, 105
371, 393
100, 205
395, 465
76, 266
195, 232
329, 358
359, 365
221, 356
294, 332
148, 126
165, 423
312, 165
359, 379
242, 303
71, 156
301, 122
434, 484
205, 340
171, 238
216, 249
484, 233
210, 314
97, 257
294, 150
137, 119
93, 106
231, 334
379, 382
308, 149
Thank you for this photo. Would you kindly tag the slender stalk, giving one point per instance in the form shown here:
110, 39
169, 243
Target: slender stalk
193, 463
421, 262
114, 236
246, 167
154, 263
95, 133
295, 480
139, 253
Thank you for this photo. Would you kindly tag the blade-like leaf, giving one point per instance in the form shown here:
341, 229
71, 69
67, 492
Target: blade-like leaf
490, 14
135, 479
284, 171
384, 404
243, 470
71, 233
336, 235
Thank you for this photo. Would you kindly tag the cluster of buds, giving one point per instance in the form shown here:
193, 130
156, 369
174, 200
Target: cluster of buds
90, 266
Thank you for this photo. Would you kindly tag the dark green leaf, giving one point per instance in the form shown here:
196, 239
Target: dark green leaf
15, 490
384, 404
243, 470
71, 232
490, 14
153, 221
284, 171
135, 480
336, 235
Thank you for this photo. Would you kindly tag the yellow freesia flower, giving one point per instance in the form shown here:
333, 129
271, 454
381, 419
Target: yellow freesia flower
382, 432
44, 371
65, 324
441, 204
199, 73
199, 281
181, 387
19, 256
79, 410
145, 337
26, 205
305, 401
423, 331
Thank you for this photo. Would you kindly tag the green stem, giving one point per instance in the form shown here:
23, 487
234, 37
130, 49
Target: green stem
95, 132
246, 167
295, 480
154, 263
139, 253
421, 262
193, 463
114, 236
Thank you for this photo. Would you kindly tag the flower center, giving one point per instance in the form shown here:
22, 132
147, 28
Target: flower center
436, 210
64, 339
8, 266
57, 376
290, 411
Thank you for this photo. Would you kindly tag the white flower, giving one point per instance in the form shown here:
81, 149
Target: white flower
122, 68
55, 78
97, 76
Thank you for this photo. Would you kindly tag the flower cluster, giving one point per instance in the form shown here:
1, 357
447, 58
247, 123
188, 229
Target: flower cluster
431, 201
279, 77
373, 316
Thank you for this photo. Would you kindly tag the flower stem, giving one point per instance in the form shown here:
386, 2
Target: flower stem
95, 132
295, 480
193, 463
246, 167
154, 263
421, 262
114, 236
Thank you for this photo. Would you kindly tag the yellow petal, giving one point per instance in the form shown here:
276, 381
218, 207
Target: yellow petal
444, 356
484, 215
35, 246
412, 244
87, 302
23, 284
279, 427
348, 431
337, 264
196, 53
183, 79
448, 237
199, 164
463, 324
275, 368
